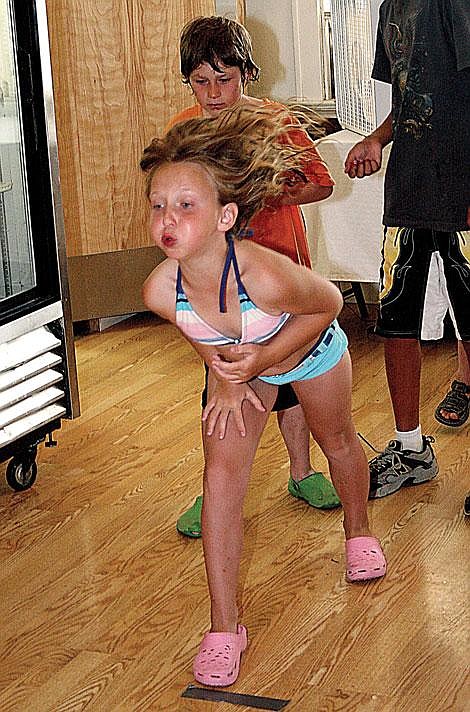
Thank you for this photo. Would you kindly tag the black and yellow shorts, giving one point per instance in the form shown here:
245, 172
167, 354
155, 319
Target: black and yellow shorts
424, 274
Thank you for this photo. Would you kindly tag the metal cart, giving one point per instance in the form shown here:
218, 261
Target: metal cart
38, 384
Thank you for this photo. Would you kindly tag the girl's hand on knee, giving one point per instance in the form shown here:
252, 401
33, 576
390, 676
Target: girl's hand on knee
227, 401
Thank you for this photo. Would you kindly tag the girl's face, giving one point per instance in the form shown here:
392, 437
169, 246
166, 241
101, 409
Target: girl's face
216, 91
186, 213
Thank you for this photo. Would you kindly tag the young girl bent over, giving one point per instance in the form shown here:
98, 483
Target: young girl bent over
206, 178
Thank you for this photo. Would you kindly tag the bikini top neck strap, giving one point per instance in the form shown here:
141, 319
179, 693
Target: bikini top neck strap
230, 259
179, 286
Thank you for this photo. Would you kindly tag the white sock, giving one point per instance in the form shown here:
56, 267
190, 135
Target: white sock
410, 439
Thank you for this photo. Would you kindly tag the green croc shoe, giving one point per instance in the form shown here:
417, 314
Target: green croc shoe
189, 524
316, 490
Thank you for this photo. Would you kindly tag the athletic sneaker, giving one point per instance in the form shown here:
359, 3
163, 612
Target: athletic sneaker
394, 468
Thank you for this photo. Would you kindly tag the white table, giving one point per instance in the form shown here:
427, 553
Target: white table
345, 231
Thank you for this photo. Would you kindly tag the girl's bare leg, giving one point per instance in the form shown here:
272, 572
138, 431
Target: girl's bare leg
226, 474
326, 402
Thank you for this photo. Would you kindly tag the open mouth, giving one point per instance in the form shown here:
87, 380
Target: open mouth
168, 241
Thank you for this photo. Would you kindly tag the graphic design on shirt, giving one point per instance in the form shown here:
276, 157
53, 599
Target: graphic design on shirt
413, 107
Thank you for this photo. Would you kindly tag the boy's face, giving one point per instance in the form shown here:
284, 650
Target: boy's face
216, 91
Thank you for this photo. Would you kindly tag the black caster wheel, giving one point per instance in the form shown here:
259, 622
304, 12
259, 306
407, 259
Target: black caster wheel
21, 473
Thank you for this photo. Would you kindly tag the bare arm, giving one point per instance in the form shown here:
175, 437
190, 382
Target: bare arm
228, 398
314, 303
302, 193
365, 158
251, 360
314, 184
158, 291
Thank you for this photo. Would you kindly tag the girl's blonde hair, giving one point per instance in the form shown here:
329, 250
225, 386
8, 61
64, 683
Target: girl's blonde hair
250, 154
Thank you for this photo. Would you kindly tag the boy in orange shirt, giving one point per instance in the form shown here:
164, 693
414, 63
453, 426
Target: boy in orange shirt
216, 61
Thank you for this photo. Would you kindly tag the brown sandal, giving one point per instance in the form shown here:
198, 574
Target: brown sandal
456, 401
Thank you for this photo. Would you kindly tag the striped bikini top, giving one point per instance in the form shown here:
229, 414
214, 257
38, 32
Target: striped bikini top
257, 326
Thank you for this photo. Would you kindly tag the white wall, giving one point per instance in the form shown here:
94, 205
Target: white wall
270, 27
281, 51
226, 7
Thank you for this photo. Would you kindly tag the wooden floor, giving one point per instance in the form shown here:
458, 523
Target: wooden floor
103, 604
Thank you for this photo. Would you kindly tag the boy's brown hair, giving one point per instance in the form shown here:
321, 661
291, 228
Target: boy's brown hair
216, 40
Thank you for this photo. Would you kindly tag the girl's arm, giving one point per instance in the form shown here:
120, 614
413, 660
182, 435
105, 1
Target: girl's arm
227, 399
314, 303
280, 285
159, 290
251, 360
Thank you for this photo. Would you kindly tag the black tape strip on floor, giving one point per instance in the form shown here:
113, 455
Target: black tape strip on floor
234, 698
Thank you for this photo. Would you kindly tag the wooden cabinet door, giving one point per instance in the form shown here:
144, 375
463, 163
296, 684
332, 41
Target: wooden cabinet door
116, 82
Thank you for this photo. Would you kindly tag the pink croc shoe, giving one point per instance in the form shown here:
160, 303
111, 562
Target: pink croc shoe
364, 559
218, 660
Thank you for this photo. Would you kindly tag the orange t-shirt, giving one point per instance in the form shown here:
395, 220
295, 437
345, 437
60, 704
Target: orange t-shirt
282, 228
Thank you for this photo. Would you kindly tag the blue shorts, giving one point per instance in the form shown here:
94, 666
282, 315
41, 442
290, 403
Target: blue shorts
322, 357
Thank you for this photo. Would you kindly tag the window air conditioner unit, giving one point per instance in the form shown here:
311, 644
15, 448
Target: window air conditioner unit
361, 102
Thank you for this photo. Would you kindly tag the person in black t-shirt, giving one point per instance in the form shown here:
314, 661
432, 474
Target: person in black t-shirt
423, 50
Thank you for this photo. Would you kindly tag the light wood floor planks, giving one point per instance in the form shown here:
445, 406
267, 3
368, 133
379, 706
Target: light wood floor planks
103, 604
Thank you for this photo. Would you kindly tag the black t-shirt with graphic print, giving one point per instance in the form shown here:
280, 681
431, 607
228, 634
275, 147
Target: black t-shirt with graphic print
423, 50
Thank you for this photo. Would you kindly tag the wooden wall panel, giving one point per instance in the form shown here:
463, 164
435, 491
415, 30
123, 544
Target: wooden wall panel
116, 82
